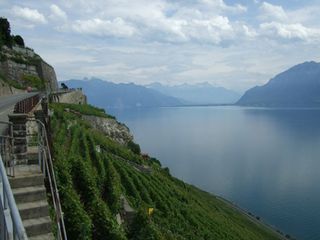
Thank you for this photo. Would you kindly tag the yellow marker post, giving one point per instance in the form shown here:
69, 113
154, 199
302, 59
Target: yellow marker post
150, 211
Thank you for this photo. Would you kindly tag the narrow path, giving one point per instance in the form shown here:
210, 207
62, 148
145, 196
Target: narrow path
7, 104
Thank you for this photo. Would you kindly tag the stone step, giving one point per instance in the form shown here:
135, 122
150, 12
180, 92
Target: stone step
29, 194
33, 158
20, 140
26, 181
36, 209
21, 156
20, 148
48, 236
38, 226
19, 133
19, 127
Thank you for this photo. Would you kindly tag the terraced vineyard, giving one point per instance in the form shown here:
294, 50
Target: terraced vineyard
91, 183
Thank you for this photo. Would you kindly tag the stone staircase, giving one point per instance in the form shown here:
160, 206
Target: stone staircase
30, 196
28, 185
20, 141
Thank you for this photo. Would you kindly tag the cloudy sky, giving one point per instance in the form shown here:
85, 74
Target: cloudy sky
232, 43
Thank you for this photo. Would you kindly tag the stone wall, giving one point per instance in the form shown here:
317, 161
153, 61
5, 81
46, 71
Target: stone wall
73, 97
12, 70
25, 51
47, 73
5, 89
15, 71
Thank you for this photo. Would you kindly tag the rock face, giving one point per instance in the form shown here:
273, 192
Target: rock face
47, 73
73, 97
297, 87
6, 89
111, 128
18, 62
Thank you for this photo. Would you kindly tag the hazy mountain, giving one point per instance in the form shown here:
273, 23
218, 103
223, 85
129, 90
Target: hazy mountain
297, 87
108, 95
202, 93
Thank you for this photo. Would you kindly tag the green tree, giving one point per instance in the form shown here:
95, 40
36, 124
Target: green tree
134, 147
5, 32
18, 40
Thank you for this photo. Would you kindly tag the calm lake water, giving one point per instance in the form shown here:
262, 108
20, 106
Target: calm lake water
265, 160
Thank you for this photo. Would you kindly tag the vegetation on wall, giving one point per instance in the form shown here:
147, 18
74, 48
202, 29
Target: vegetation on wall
12, 83
92, 182
33, 81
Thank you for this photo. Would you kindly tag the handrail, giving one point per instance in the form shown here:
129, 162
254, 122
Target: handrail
6, 148
8, 205
27, 104
46, 165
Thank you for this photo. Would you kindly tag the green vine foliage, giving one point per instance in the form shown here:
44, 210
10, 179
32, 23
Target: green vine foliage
91, 184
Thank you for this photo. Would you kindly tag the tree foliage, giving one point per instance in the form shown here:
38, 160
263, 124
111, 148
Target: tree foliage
18, 40
5, 35
5, 32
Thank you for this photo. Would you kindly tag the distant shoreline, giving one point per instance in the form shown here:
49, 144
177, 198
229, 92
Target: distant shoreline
215, 105
244, 106
253, 218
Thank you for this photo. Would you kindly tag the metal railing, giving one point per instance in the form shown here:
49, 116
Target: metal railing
11, 227
40, 141
14, 229
26, 105
6, 147
46, 165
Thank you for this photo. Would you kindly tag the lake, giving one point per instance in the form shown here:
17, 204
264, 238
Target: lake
267, 161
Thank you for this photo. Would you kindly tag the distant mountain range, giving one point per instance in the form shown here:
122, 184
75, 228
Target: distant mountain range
297, 87
111, 95
201, 93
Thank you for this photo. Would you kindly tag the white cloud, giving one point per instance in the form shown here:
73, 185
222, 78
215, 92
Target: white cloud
202, 21
98, 27
213, 30
161, 40
220, 4
28, 14
290, 31
57, 13
272, 12
147, 72
249, 32
122, 71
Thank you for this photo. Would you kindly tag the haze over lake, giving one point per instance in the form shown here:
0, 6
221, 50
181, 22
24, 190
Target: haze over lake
265, 160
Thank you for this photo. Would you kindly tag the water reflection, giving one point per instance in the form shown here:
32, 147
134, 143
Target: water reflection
265, 160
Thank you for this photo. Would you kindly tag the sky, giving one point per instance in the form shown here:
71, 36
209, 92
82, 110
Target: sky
236, 44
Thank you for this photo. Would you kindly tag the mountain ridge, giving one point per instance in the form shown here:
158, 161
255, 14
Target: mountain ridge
200, 93
299, 86
107, 94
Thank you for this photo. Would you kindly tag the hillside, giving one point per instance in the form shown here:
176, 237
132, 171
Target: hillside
110, 95
102, 182
201, 93
297, 87
20, 66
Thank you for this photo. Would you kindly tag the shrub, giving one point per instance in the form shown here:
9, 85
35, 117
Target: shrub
18, 40
134, 147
